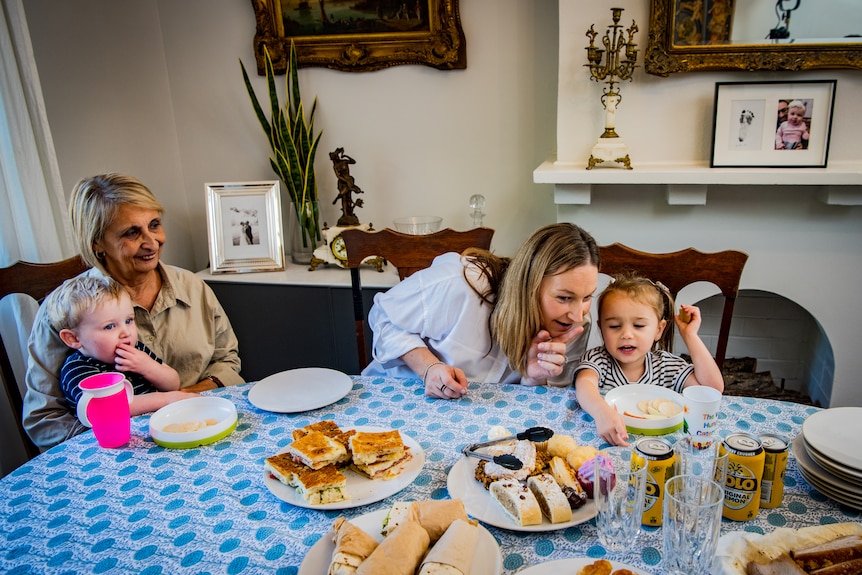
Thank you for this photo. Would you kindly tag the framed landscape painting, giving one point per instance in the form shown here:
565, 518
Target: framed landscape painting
360, 35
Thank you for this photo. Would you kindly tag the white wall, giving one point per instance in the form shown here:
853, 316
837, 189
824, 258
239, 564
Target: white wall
153, 88
800, 248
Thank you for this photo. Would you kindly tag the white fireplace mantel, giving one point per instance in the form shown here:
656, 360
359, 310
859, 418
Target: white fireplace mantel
839, 184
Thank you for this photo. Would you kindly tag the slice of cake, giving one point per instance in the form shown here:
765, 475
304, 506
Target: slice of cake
552, 501
517, 501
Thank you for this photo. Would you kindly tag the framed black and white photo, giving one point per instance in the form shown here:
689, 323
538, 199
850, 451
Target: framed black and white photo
244, 225
772, 124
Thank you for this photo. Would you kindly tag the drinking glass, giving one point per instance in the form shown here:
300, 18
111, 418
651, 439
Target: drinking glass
691, 524
702, 460
618, 492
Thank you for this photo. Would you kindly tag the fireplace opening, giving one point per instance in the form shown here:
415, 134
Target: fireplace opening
782, 338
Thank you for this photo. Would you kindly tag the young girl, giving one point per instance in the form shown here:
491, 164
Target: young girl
633, 318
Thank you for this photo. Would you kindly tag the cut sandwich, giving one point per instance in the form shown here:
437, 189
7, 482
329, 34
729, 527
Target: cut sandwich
552, 501
331, 430
379, 454
352, 547
284, 468
326, 427
399, 553
453, 553
316, 450
781, 565
829, 553
517, 501
321, 486
316, 486
434, 515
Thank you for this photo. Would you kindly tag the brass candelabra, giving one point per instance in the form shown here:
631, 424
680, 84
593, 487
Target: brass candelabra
612, 64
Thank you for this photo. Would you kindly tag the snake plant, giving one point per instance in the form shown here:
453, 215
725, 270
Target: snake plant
293, 143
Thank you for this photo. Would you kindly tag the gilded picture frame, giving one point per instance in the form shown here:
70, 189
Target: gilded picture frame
244, 227
772, 124
360, 36
665, 56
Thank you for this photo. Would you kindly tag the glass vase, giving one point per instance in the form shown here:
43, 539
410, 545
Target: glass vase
303, 228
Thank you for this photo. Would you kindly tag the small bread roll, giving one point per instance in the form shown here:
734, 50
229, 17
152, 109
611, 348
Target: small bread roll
561, 445
579, 455
684, 316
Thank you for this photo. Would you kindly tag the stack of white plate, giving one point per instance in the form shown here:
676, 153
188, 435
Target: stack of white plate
829, 454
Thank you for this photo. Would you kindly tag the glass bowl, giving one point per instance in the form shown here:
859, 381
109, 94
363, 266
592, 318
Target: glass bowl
418, 225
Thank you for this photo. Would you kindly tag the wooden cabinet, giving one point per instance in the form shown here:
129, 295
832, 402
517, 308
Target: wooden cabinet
285, 323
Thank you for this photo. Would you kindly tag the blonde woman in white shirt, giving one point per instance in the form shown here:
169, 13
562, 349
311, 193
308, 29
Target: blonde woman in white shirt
479, 317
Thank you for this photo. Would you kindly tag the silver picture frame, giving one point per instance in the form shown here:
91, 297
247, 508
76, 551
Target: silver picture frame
244, 227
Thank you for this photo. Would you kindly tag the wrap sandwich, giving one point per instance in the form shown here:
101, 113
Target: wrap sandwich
352, 547
399, 553
433, 515
453, 553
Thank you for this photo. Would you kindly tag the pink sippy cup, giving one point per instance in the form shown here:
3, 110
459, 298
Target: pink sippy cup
104, 406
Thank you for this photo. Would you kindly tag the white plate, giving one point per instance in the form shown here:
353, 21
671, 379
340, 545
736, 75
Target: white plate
297, 390
479, 504
850, 475
486, 560
626, 397
572, 565
835, 433
828, 484
361, 489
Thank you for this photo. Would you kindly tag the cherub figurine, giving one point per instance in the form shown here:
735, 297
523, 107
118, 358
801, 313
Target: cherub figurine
346, 187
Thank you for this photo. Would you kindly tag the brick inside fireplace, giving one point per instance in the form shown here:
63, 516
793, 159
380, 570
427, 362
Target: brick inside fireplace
788, 354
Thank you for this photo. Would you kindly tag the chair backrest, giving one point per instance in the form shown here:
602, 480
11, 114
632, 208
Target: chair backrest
679, 269
36, 281
408, 253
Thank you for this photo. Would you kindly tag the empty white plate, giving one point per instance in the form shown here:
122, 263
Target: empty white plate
835, 434
297, 390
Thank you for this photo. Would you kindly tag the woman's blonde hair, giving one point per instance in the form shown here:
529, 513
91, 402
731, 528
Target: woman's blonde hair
67, 305
94, 203
517, 317
649, 293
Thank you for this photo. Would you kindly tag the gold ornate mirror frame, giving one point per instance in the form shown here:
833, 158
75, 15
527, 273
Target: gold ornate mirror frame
438, 42
663, 57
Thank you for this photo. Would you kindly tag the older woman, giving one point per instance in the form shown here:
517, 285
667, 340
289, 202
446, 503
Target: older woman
479, 317
118, 227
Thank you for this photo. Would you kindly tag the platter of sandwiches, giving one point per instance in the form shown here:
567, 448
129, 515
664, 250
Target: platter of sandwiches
327, 467
298, 390
833, 549
582, 566
545, 494
433, 537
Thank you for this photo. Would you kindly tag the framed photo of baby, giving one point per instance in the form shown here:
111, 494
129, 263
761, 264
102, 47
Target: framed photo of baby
244, 225
772, 124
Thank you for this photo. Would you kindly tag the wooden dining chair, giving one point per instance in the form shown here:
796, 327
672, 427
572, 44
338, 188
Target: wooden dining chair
36, 281
408, 253
679, 269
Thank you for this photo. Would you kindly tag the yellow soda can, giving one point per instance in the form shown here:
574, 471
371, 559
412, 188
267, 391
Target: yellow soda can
656, 454
775, 448
744, 473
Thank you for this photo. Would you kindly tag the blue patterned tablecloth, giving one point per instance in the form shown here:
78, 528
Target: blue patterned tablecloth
79, 508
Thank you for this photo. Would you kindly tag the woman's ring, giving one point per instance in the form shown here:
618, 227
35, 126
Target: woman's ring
442, 387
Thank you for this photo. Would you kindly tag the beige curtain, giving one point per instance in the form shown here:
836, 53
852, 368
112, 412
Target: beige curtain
33, 224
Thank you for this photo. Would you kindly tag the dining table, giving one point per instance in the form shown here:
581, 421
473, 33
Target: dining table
145, 508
